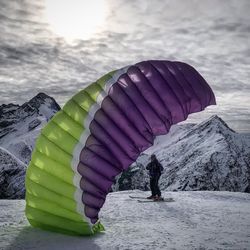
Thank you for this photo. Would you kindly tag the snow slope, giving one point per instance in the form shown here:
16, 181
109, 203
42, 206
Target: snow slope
196, 220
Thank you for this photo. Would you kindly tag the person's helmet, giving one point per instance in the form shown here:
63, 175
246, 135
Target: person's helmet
153, 156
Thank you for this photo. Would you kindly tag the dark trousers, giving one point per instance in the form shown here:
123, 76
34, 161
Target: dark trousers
154, 185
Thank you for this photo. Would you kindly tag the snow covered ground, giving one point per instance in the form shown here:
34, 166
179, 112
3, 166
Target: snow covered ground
196, 220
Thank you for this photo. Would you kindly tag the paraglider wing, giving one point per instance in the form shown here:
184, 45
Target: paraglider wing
99, 133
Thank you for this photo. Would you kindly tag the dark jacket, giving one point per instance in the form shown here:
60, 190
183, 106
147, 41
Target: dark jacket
155, 168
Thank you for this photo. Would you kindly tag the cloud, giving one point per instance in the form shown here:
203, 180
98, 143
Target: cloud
214, 40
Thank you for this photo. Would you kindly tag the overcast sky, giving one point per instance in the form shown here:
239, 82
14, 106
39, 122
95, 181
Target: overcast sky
59, 48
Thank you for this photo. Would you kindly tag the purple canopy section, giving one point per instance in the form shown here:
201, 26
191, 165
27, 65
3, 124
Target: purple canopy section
142, 104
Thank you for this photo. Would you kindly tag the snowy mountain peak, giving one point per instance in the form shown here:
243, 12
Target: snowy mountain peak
208, 130
42, 98
42, 106
214, 122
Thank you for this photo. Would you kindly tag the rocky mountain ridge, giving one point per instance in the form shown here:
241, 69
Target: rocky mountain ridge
205, 156
19, 127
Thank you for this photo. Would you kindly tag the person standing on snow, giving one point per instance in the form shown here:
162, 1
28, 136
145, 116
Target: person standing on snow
155, 168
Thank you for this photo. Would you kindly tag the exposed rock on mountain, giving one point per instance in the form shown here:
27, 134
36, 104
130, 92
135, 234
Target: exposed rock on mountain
19, 127
12, 172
